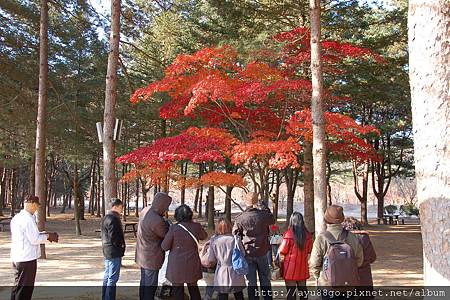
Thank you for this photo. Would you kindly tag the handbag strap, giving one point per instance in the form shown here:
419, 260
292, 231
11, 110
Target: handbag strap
190, 233
236, 242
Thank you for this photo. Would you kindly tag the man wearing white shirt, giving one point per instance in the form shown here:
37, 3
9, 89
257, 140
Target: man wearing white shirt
25, 248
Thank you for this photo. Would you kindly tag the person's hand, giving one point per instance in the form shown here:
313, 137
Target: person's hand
53, 237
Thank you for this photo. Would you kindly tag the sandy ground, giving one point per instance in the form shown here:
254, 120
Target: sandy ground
77, 260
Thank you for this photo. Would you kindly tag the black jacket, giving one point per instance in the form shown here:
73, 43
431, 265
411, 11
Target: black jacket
253, 226
113, 240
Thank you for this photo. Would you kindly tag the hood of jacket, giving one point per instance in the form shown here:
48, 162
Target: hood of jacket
161, 203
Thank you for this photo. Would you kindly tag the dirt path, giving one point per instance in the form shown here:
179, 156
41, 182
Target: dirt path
77, 260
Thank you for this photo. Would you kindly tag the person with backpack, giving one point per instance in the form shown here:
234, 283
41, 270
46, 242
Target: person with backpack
336, 254
228, 277
253, 228
275, 239
184, 261
113, 243
364, 271
294, 250
152, 229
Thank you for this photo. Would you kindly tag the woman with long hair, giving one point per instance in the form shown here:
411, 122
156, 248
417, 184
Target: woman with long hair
294, 250
226, 279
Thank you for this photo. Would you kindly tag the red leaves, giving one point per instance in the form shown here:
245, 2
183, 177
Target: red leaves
196, 145
345, 137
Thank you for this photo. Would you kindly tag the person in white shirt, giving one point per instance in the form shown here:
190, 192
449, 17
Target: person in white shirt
25, 248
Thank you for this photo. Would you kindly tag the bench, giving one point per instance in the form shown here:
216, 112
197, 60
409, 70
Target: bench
391, 220
218, 213
130, 227
4, 222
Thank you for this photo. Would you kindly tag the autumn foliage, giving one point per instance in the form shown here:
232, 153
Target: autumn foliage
255, 114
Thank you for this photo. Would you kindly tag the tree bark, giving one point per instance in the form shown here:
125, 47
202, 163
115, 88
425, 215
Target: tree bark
429, 61
99, 188
319, 150
329, 201
12, 191
76, 199
308, 187
31, 186
229, 190
109, 117
42, 119
2, 189
276, 198
291, 177
136, 208
183, 188
363, 191
92, 185
211, 207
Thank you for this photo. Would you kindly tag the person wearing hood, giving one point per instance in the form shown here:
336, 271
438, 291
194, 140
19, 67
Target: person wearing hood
151, 231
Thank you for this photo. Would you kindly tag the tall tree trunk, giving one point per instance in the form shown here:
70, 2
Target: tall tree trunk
2, 189
362, 192
276, 197
136, 208
92, 186
12, 191
291, 176
329, 201
319, 150
76, 199
198, 193
308, 187
123, 194
183, 187
429, 61
31, 186
211, 207
39, 189
228, 192
102, 182
109, 117
99, 188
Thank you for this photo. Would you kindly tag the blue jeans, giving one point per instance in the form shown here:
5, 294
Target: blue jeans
259, 266
149, 284
112, 272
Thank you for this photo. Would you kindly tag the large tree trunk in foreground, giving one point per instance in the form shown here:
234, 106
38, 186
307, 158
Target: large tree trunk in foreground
319, 150
308, 188
429, 61
109, 117
39, 188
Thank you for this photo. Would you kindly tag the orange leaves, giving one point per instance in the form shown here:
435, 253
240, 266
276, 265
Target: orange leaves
276, 154
222, 179
260, 72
